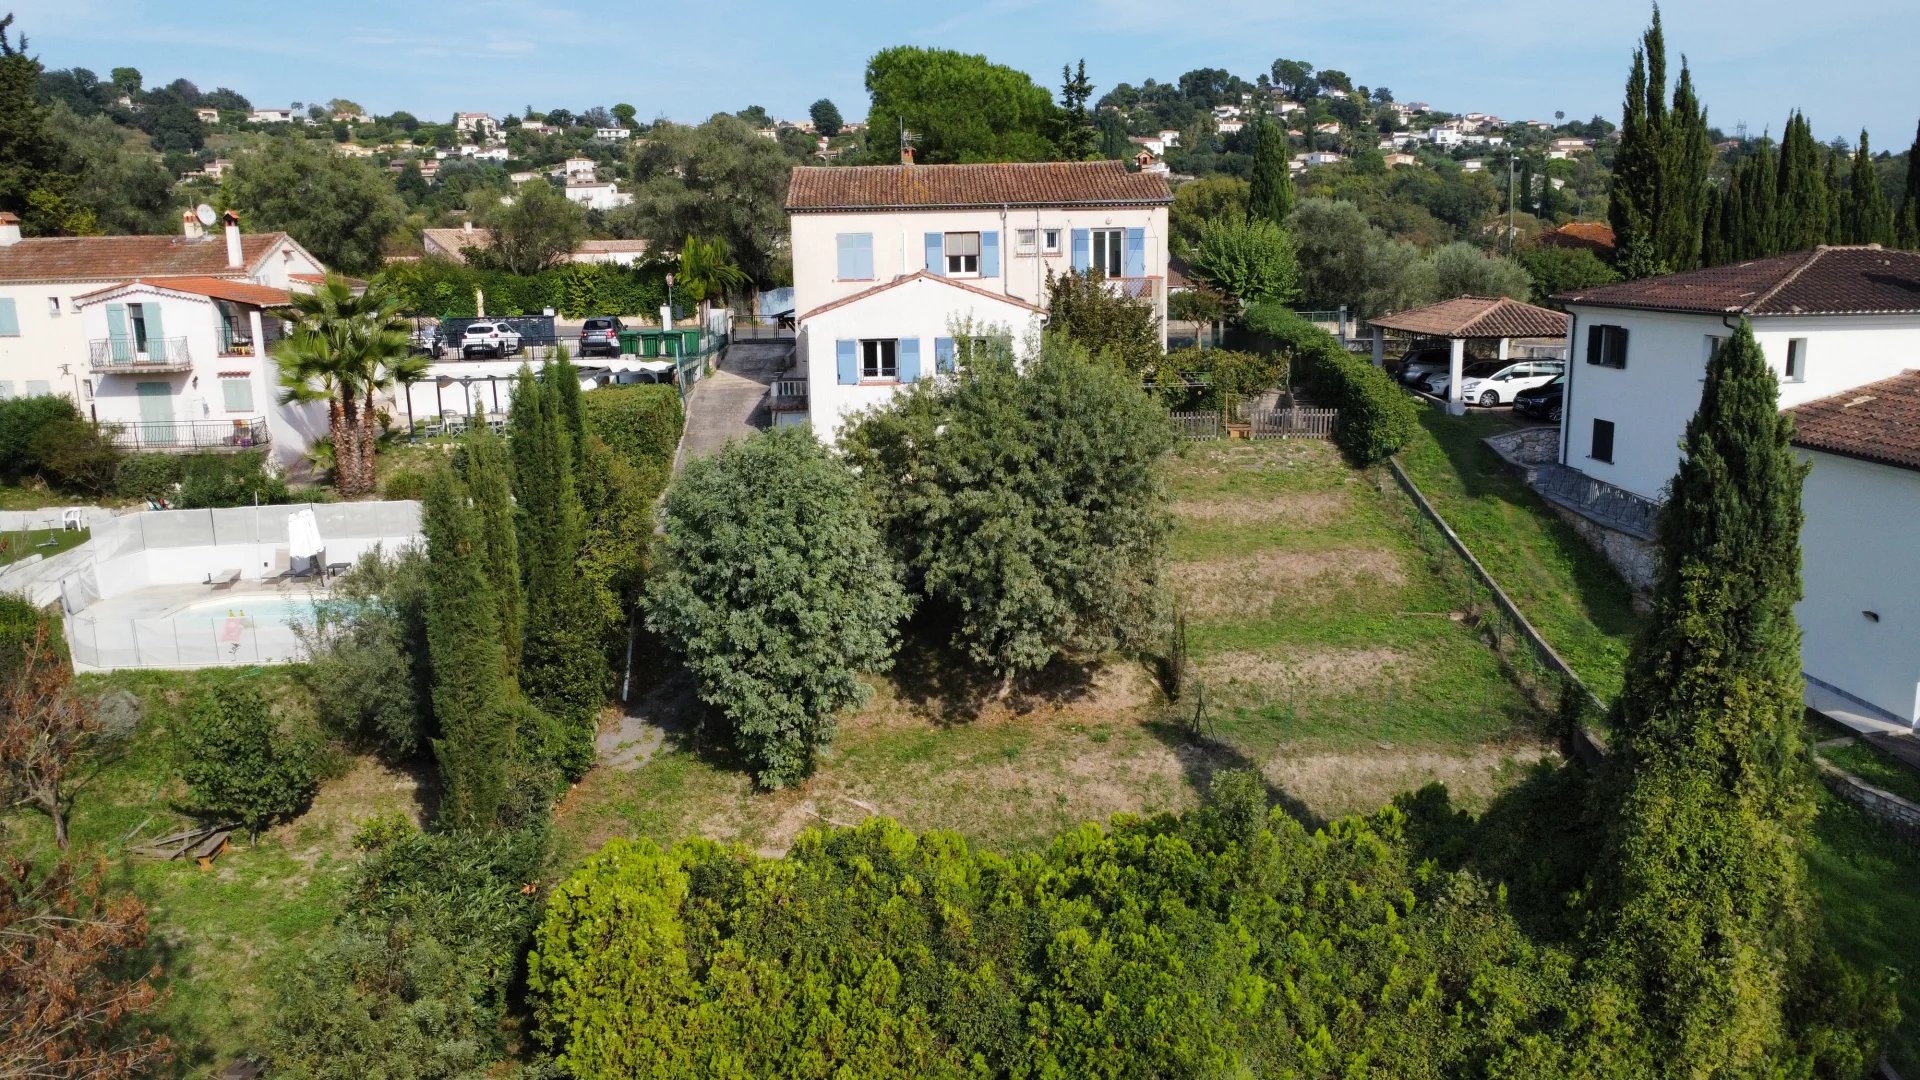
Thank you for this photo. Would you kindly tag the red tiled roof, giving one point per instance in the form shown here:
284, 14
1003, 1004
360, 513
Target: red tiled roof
1594, 236
453, 243
321, 279
1051, 183
237, 290
1824, 281
120, 258
1876, 422
611, 247
917, 275
1477, 317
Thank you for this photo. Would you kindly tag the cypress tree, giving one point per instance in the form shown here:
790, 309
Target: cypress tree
566, 383
471, 697
1835, 196
1907, 222
1760, 205
489, 481
1700, 903
1657, 198
1270, 189
1686, 160
1805, 214
1868, 219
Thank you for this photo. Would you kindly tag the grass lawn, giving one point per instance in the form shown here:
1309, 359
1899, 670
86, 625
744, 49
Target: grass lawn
1868, 763
13, 497
217, 933
1867, 878
15, 546
1325, 644
1565, 588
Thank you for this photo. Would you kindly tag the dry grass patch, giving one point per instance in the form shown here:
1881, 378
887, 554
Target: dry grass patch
1294, 508
1359, 783
1241, 585
1330, 671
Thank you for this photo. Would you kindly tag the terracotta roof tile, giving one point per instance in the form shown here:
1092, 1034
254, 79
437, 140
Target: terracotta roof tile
452, 243
1876, 422
610, 247
120, 258
917, 275
1477, 317
1053, 183
238, 290
1595, 236
1824, 281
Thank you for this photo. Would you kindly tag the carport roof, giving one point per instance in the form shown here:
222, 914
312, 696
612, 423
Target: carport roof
1470, 317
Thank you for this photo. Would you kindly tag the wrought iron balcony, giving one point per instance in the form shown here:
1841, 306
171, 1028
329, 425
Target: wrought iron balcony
127, 355
186, 435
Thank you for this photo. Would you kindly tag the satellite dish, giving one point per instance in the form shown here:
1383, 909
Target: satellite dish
204, 213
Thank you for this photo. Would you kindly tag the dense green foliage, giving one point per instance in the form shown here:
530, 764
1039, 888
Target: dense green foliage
1701, 911
1027, 505
1376, 416
1249, 259
471, 688
777, 591
1865, 217
446, 289
237, 479
537, 229
826, 117
718, 180
1658, 196
347, 345
1805, 209
33, 183
1270, 195
367, 661
1228, 942
1075, 136
339, 208
412, 980
1906, 220
489, 477
963, 107
641, 423
22, 420
1460, 269
1346, 261
1554, 270
1197, 202
1113, 327
242, 764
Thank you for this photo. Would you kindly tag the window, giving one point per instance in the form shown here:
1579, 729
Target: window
86, 389
879, 359
963, 253
1797, 360
1602, 449
1607, 345
53, 306
239, 394
1026, 241
9, 319
855, 256
6, 390
1108, 251
1715, 342
1050, 239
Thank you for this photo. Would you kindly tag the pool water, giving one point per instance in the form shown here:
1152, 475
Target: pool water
278, 609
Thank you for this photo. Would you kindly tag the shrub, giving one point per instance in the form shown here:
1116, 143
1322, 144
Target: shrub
1377, 418
404, 485
242, 764
777, 589
445, 289
1251, 260
640, 423
1196, 305
239, 479
21, 420
149, 476
75, 455
366, 654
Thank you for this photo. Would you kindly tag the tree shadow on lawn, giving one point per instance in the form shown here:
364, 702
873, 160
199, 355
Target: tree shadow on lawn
941, 683
1202, 756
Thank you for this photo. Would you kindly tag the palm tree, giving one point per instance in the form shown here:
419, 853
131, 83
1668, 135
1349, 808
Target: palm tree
343, 349
707, 267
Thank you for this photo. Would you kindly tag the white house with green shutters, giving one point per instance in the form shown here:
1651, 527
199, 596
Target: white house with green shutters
889, 259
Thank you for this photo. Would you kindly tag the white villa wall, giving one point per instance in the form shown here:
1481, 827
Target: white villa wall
920, 309
899, 247
1857, 555
1653, 397
45, 342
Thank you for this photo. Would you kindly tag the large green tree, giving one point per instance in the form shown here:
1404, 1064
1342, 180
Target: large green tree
471, 693
1745, 222
1460, 269
1345, 261
1026, 503
1105, 321
826, 118
124, 190
1270, 196
778, 591
1251, 260
1865, 217
32, 183
340, 208
345, 348
1077, 139
537, 229
1658, 194
962, 107
489, 477
1197, 202
1702, 914
719, 180
1906, 223
1806, 210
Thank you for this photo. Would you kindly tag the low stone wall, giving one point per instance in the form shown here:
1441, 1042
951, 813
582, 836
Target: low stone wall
1900, 815
1527, 446
1637, 560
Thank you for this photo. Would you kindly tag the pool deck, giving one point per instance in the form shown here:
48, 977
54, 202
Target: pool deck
166, 601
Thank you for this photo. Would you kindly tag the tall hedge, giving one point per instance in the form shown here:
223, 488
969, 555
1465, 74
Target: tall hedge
445, 289
1377, 418
640, 423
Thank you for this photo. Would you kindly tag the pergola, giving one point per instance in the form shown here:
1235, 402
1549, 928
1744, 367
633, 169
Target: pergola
1469, 318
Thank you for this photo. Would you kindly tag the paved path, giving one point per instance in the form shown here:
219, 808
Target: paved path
730, 404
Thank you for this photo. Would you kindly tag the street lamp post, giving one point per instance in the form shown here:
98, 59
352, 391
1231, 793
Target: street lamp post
667, 316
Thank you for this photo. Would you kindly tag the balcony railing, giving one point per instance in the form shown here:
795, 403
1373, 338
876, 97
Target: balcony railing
1134, 288
109, 355
184, 435
788, 394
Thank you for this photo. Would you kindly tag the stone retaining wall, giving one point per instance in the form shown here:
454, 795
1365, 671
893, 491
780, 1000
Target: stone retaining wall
1900, 815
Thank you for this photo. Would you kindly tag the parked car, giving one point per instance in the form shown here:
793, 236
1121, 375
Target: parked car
1544, 401
1418, 363
1493, 382
601, 334
494, 339
425, 339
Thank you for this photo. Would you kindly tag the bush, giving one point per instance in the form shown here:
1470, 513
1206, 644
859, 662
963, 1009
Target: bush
367, 654
242, 764
76, 455
150, 476
778, 591
445, 289
239, 479
21, 420
404, 485
1377, 418
640, 423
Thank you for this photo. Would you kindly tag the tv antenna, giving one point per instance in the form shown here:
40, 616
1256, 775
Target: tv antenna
907, 139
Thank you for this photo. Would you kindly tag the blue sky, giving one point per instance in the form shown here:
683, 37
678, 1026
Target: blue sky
1753, 59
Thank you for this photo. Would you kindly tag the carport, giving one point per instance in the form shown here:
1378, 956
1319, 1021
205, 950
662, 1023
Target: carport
1469, 318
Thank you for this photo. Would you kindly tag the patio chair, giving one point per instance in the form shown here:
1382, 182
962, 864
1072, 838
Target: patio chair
223, 579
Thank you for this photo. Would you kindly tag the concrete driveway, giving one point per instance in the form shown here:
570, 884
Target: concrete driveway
731, 403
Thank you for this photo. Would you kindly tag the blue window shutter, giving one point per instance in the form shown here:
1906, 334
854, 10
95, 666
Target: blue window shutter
909, 359
119, 342
156, 333
990, 254
1136, 254
863, 242
943, 354
848, 353
855, 252
1082, 250
937, 253
9, 319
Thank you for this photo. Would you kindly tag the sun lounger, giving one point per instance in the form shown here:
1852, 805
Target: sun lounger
223, 579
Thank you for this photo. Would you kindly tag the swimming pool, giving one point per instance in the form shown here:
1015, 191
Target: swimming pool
260, 607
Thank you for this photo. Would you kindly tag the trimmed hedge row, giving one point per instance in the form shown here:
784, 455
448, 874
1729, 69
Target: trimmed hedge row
445, 289
639, 422
1377, 418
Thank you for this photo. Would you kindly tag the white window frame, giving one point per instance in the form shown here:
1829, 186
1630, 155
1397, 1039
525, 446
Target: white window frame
1050, 241
879, 359
1026, 242
1108, 255
961, 265
1794, 370
53, 306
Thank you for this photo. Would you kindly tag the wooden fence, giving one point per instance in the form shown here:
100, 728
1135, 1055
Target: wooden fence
1290, 423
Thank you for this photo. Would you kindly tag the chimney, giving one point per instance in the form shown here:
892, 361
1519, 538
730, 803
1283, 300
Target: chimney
9, 230
906, 155
190, 226
234, 258
466, 226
